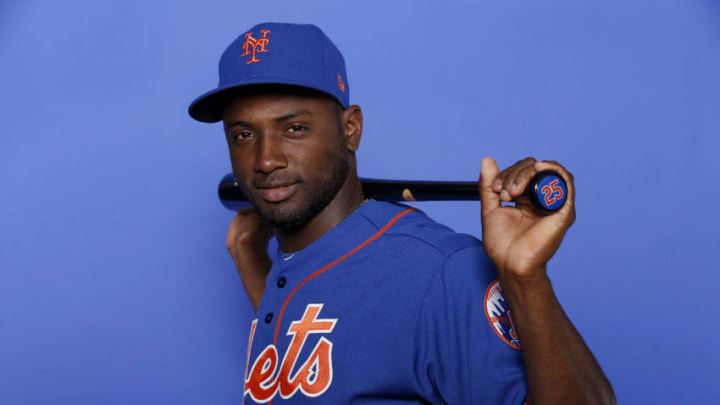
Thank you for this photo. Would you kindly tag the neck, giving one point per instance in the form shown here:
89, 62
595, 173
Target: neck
349, 198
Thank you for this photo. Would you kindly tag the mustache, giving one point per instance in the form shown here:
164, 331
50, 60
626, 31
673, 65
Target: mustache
275, 180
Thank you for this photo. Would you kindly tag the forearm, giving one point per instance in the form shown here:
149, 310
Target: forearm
253, 271
560, 367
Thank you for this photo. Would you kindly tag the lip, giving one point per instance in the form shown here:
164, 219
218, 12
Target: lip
277, 194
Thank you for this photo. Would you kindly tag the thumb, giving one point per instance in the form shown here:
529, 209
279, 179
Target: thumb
489, 200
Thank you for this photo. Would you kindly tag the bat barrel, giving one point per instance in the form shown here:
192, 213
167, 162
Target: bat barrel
230, 195
415, 190
385, 190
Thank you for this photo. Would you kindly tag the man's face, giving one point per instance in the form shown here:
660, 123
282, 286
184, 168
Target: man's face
288, 153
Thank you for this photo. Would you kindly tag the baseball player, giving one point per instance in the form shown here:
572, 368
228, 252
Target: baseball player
369, 302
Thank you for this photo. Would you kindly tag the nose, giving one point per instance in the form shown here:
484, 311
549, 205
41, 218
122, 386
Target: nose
269, 155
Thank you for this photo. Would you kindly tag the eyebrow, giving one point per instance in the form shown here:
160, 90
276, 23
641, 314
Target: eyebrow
240, 123
292, 115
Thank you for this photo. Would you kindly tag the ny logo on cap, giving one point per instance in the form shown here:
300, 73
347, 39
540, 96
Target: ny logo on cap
257, 45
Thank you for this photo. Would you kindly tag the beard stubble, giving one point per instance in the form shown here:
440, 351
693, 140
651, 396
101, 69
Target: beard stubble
315, 203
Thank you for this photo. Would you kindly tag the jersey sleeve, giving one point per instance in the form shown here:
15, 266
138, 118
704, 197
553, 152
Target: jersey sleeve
467, 351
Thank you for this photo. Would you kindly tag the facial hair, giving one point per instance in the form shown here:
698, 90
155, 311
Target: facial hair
313, 204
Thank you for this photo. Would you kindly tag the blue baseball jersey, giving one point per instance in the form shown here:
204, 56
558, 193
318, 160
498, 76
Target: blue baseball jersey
388, 307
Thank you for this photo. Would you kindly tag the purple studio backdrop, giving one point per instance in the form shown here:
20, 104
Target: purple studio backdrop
115, 283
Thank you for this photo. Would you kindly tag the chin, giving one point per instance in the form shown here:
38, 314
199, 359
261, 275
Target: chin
286, 214
294, 212
285, 217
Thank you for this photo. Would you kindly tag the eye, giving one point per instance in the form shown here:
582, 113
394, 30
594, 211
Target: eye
297, 128
241, 136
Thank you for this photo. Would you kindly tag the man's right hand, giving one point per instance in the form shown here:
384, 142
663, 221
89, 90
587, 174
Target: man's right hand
247, 242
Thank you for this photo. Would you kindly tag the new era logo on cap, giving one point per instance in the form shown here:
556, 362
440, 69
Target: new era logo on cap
276, 53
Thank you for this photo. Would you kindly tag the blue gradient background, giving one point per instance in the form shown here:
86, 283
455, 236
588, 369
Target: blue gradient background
115, 284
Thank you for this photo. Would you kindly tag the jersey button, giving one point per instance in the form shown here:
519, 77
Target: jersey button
281, 282
268, 317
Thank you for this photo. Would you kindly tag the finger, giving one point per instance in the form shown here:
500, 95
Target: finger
522, 178
233, 231
489, 199
498, 183
523, 201
510, 180
247, 211
236, 225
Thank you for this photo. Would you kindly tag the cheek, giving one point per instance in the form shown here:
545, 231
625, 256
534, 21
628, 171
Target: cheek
240, 168
315, 167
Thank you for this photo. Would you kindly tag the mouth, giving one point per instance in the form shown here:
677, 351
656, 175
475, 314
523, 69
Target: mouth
278, 193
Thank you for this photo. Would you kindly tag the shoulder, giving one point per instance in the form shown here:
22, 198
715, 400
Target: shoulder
404, 222
433, 246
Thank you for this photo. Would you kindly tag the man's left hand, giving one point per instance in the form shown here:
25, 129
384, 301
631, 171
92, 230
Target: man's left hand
519, 240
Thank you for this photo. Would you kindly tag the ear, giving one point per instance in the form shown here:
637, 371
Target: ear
352, 123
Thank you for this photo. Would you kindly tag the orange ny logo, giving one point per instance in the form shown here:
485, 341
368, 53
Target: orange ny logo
256, 45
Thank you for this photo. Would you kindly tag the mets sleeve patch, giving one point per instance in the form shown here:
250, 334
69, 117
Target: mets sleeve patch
498, 314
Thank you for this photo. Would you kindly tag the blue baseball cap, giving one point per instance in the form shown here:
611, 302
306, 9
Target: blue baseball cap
276, 53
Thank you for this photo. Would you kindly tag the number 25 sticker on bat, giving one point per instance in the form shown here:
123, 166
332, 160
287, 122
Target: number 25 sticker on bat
547, 191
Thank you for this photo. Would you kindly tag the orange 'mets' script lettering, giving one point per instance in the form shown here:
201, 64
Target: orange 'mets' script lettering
312, 378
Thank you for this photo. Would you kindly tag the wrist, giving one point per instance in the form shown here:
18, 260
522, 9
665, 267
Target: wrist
521, 284
250, 259
252, 248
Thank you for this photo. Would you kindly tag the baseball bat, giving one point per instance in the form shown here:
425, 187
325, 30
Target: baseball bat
547, 191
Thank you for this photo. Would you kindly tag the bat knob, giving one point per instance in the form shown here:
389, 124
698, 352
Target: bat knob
547, 191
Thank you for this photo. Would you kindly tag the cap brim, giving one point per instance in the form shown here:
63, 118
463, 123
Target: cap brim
209, 107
